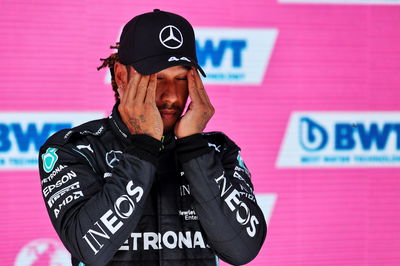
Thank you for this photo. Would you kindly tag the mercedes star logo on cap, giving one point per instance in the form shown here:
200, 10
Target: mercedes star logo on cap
171, 37
158, 40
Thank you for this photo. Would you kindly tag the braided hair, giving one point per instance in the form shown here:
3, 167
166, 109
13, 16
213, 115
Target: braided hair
109, 62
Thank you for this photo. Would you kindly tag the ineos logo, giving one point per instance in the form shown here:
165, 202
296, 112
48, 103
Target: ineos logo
117, 207
112, 219
112, 158
171, 37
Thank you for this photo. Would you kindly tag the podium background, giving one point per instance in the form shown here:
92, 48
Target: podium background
299, 56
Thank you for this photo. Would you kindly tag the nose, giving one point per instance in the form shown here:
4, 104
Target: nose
169, 93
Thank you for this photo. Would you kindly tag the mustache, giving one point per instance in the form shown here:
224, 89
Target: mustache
169, 107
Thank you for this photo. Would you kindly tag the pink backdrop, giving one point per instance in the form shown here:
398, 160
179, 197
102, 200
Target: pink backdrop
299, 59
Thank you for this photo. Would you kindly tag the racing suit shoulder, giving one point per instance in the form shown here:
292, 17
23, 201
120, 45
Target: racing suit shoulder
216, 138
91, 128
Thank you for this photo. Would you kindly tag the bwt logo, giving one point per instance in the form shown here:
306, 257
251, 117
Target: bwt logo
314, 137
234, 56
25, 138
345, 139
215, 52
22, 134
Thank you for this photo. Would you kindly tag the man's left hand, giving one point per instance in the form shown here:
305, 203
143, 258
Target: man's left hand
200, 109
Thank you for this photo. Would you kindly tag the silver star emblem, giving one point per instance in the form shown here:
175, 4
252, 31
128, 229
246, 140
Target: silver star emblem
172, 35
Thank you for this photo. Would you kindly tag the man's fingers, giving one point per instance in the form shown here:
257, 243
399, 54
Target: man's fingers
197, 78
200, 88
151, 90
193, 93
130, 91
142, 87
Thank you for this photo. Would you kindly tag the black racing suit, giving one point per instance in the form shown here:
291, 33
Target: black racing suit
121, 199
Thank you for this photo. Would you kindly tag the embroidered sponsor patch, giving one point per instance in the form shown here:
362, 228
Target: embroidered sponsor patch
49, 159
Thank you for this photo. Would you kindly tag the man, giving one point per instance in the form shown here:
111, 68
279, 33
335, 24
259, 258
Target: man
146, 186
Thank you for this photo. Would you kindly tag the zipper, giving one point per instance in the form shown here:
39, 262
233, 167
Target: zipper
158, 200
162, 143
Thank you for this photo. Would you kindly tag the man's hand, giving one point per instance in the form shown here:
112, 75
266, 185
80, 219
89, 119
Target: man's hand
199, 110
137, 106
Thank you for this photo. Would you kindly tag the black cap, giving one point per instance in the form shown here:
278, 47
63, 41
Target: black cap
157, 40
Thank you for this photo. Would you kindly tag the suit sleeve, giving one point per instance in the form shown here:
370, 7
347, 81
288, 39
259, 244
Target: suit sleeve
224, 200
94, 214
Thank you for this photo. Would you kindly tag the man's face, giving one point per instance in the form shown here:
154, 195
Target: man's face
171, 94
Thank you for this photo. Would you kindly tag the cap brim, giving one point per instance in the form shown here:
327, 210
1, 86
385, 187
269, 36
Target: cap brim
155, 64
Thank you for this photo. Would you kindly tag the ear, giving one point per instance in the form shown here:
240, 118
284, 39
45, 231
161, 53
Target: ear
121, 74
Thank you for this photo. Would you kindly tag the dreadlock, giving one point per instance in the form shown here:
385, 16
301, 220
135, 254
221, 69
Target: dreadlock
109, 62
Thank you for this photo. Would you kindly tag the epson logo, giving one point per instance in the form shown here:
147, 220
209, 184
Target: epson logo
23, 133
112, 220
342, 138
243, 215
64, 179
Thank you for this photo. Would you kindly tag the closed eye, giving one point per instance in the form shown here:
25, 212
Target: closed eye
182, 78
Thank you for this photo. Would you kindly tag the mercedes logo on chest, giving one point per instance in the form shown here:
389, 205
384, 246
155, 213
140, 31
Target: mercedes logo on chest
171, 37
112, 158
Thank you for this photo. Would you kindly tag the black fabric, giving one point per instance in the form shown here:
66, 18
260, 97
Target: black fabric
116, 200
144, 147
191, 146
118, 127
158, 40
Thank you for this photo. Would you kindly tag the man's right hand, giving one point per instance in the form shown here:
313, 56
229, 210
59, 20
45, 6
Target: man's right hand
137, 106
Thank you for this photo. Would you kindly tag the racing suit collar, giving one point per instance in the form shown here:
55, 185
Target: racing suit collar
168, 141
117, 125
